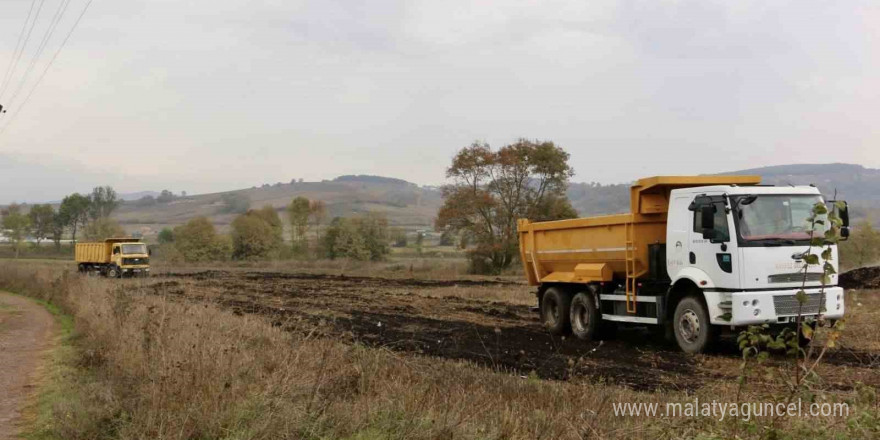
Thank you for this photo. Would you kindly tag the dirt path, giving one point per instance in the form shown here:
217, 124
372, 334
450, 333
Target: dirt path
26, 331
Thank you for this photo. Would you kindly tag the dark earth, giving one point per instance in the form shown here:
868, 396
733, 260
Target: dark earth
389, 313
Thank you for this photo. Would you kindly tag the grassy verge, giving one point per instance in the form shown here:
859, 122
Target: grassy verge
144, 366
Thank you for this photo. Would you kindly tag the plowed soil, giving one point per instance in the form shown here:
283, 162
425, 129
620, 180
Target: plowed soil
425, 317
861, 278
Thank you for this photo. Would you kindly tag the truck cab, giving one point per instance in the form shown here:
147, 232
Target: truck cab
131, 259
747, 261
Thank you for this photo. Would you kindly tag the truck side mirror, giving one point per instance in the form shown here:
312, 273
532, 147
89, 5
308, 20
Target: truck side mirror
844, 232
707, 219
844, 215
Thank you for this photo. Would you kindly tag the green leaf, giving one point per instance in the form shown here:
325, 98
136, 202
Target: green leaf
820, 222
826, 254
807, 330
811, 259
817, 241
762, 356
801, 296
840, 205
819, 209
828, 268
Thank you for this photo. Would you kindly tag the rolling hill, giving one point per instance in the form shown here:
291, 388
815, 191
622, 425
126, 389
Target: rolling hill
412, 207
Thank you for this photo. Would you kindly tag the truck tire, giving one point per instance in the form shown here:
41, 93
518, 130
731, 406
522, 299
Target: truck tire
693, 331
555, 311
584, 316
113, 272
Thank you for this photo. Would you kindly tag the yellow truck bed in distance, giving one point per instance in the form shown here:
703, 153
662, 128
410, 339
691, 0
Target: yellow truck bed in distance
93, 252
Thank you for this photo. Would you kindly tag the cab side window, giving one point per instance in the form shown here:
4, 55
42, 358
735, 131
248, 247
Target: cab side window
722, 232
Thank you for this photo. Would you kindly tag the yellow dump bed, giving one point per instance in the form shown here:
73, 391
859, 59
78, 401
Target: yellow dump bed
93, 252
607, 247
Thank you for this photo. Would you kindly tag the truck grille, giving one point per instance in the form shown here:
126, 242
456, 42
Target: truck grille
135, 261
787, 305
796, 277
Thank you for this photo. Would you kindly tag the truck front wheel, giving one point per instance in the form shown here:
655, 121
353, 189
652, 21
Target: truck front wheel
693, 331
113, 272
555, 310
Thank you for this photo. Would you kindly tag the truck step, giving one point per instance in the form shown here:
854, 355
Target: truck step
610, 297
635, 319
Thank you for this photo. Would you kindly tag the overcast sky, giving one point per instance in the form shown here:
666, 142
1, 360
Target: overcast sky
215, 95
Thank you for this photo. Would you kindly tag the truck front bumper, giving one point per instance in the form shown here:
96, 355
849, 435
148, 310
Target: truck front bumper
135, 270
773, 306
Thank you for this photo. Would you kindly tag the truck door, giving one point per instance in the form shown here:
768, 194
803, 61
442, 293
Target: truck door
715, 255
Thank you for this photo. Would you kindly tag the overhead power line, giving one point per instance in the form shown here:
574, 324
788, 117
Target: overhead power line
17, 44
45, 70
62, 7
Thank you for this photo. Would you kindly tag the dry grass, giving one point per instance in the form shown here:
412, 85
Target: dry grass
156, 368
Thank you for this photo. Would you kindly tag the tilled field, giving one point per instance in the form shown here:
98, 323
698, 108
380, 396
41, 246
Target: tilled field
427, 317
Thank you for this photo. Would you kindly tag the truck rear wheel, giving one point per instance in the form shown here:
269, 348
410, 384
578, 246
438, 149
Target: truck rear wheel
584, 316
555, 311
693, 330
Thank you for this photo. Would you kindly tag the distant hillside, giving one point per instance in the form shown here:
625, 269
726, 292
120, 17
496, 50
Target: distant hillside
410, 206
858, 185
404, 203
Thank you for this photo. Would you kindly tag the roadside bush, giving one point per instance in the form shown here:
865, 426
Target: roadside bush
166, 235
197, 240
256, 234
360, 238
862, 248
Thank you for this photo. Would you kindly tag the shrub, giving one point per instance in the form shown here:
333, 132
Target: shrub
197, 240
360, 238
256, 234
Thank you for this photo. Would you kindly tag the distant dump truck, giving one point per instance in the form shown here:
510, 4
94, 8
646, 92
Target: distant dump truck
114, 257
694, 255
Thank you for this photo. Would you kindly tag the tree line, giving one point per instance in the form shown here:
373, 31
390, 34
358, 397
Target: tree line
258, 234
87, 215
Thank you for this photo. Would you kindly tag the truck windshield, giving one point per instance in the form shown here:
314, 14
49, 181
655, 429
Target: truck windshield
776, 219
138, 248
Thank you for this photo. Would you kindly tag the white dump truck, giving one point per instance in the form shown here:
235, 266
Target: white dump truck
695, 254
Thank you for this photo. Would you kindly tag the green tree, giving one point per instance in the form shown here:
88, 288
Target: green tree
298, 214
165, 196
75, 211
420, 242
103, 228
197, 240
102, 202
59, 223
360, 238
42, 219
256, 234
166, 235
16, 226
490, 190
